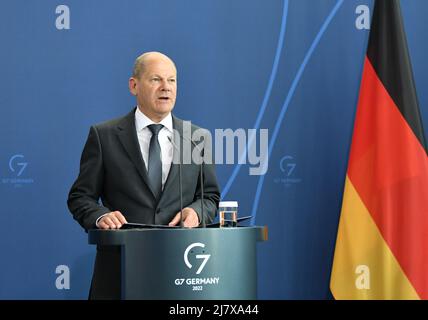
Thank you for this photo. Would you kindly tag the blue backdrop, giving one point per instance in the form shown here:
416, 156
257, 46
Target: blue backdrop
292, 67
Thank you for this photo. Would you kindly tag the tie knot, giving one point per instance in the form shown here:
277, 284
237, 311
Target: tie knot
155, 128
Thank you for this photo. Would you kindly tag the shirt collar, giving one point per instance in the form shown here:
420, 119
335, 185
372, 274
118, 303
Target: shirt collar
142, 121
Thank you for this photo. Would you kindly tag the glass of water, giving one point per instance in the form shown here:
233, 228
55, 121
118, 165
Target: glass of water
228, 212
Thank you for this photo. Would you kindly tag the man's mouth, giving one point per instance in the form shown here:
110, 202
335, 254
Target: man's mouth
164, 98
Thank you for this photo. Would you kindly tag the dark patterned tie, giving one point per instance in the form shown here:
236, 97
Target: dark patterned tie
155, 162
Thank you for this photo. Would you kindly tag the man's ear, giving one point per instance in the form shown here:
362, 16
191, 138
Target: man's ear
132, 83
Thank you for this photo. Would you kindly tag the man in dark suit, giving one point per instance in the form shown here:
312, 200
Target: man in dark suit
127, 163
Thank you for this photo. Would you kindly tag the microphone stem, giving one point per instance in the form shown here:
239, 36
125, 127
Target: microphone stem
181, 194
202, 195
180, 185
203, 224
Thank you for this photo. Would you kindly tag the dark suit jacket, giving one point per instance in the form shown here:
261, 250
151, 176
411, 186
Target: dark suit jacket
112, 170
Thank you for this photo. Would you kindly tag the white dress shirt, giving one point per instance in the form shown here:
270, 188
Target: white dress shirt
144, 135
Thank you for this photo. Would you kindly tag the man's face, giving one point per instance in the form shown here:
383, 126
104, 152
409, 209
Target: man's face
156, 89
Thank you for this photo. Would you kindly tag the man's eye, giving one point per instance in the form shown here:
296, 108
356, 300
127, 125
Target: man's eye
155, 79
172, 80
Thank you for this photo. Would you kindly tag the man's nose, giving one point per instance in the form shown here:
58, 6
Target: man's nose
166, 86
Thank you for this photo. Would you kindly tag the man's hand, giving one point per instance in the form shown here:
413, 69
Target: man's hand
190, 218
112, 220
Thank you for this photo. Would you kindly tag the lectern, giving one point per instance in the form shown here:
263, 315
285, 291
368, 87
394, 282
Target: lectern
183, 264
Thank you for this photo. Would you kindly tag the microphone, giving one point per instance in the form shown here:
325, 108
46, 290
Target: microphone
201, 177
180, 185
203, 225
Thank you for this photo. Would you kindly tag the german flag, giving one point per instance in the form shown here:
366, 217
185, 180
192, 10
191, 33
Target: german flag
382, 242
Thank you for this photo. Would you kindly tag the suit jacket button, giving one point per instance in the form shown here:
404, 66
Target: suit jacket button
158, 210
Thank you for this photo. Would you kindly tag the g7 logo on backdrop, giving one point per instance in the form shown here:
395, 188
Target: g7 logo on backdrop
285, 167
204, 257
17, 165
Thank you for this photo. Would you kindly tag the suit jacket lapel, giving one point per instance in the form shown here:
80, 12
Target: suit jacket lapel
127, 135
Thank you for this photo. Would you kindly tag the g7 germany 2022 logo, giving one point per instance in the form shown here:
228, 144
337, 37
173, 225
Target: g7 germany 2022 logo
204, 257
17, 165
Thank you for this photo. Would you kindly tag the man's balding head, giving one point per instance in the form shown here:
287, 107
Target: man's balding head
143, 60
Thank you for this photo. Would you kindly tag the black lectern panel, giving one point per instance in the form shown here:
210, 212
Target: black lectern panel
186, 263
